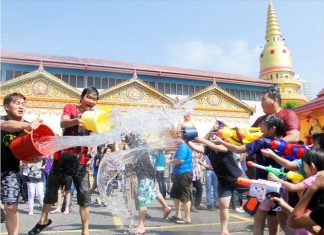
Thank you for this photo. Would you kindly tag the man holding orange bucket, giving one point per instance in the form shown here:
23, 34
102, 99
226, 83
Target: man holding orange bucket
71, 162
12, 125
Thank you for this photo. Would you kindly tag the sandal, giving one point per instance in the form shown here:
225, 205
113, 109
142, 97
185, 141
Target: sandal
38, 228
175, 218
166, 214
183, 222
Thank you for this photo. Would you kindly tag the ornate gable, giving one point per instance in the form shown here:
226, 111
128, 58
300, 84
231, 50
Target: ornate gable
43, 90
134, 92
214, 101
40, 84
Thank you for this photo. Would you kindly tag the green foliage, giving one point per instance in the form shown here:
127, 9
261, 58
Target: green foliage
291, 105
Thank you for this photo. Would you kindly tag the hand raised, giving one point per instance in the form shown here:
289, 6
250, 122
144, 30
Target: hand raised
33, 125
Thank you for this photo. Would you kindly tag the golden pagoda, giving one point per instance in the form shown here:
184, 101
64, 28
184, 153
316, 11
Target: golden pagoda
276, 63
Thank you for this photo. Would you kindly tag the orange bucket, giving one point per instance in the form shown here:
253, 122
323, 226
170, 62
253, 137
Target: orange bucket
24, 148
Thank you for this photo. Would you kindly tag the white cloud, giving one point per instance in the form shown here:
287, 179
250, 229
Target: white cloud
237, 58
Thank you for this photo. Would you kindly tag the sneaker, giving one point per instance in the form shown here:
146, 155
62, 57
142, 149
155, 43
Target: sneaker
194, 209
239, 210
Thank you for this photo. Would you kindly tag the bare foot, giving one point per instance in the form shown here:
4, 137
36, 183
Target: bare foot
167, 212
66, 212
56, 211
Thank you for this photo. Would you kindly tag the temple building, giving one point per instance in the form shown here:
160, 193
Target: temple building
276, 63
49, 82
311, 116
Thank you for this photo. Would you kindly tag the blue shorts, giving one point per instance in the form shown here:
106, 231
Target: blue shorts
10, 187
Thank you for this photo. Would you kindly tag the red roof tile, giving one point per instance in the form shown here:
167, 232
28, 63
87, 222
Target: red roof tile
98, 64
312, 104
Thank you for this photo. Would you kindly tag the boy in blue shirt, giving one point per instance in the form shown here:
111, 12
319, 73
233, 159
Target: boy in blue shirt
182, 173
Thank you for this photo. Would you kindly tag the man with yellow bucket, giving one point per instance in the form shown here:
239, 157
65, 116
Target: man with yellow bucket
12, 125
71, 161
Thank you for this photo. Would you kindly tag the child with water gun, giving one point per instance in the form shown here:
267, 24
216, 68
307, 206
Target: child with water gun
297, 164
313, 162
272, 128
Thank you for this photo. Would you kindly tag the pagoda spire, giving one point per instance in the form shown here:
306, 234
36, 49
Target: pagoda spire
273, 29
276, 62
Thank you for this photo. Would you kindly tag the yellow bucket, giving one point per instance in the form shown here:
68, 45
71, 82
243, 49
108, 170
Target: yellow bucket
97, 121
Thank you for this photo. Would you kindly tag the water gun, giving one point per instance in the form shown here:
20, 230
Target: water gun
291, 175
259, 190
288, 151
239, 135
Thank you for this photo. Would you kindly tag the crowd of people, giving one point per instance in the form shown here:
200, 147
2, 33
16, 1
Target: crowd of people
210, 161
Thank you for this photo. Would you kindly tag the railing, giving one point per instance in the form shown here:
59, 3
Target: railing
293, 96
287, 81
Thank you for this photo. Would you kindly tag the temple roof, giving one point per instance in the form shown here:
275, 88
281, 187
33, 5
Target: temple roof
126, 67
316, 103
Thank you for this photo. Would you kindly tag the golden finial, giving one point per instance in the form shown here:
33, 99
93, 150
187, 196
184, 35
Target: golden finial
41, 67
273, 28
135, 74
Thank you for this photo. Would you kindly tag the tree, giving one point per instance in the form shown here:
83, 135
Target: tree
291, 105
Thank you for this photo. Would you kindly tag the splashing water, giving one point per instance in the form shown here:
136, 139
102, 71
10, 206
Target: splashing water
152, 125
156, 126
122, 201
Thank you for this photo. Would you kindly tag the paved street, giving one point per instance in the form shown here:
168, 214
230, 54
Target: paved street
101, 222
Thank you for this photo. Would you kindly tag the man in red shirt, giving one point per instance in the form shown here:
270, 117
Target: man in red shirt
71, 162
271, 102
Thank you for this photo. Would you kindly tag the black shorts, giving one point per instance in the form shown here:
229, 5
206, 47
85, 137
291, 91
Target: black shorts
181, 187
67, 182
80, 180
226, 189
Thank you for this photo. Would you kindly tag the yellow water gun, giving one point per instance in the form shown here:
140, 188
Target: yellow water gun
239, 135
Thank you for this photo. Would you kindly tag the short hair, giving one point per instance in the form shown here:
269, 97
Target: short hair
274, 92
319, 138
315, 156
274, 120
300, 142
100, 147
10, 97
89, 90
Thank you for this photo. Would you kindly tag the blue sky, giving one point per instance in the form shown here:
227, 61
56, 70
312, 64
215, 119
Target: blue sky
217, 35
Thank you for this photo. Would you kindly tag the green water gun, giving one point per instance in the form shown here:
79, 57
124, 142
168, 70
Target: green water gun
291, 175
